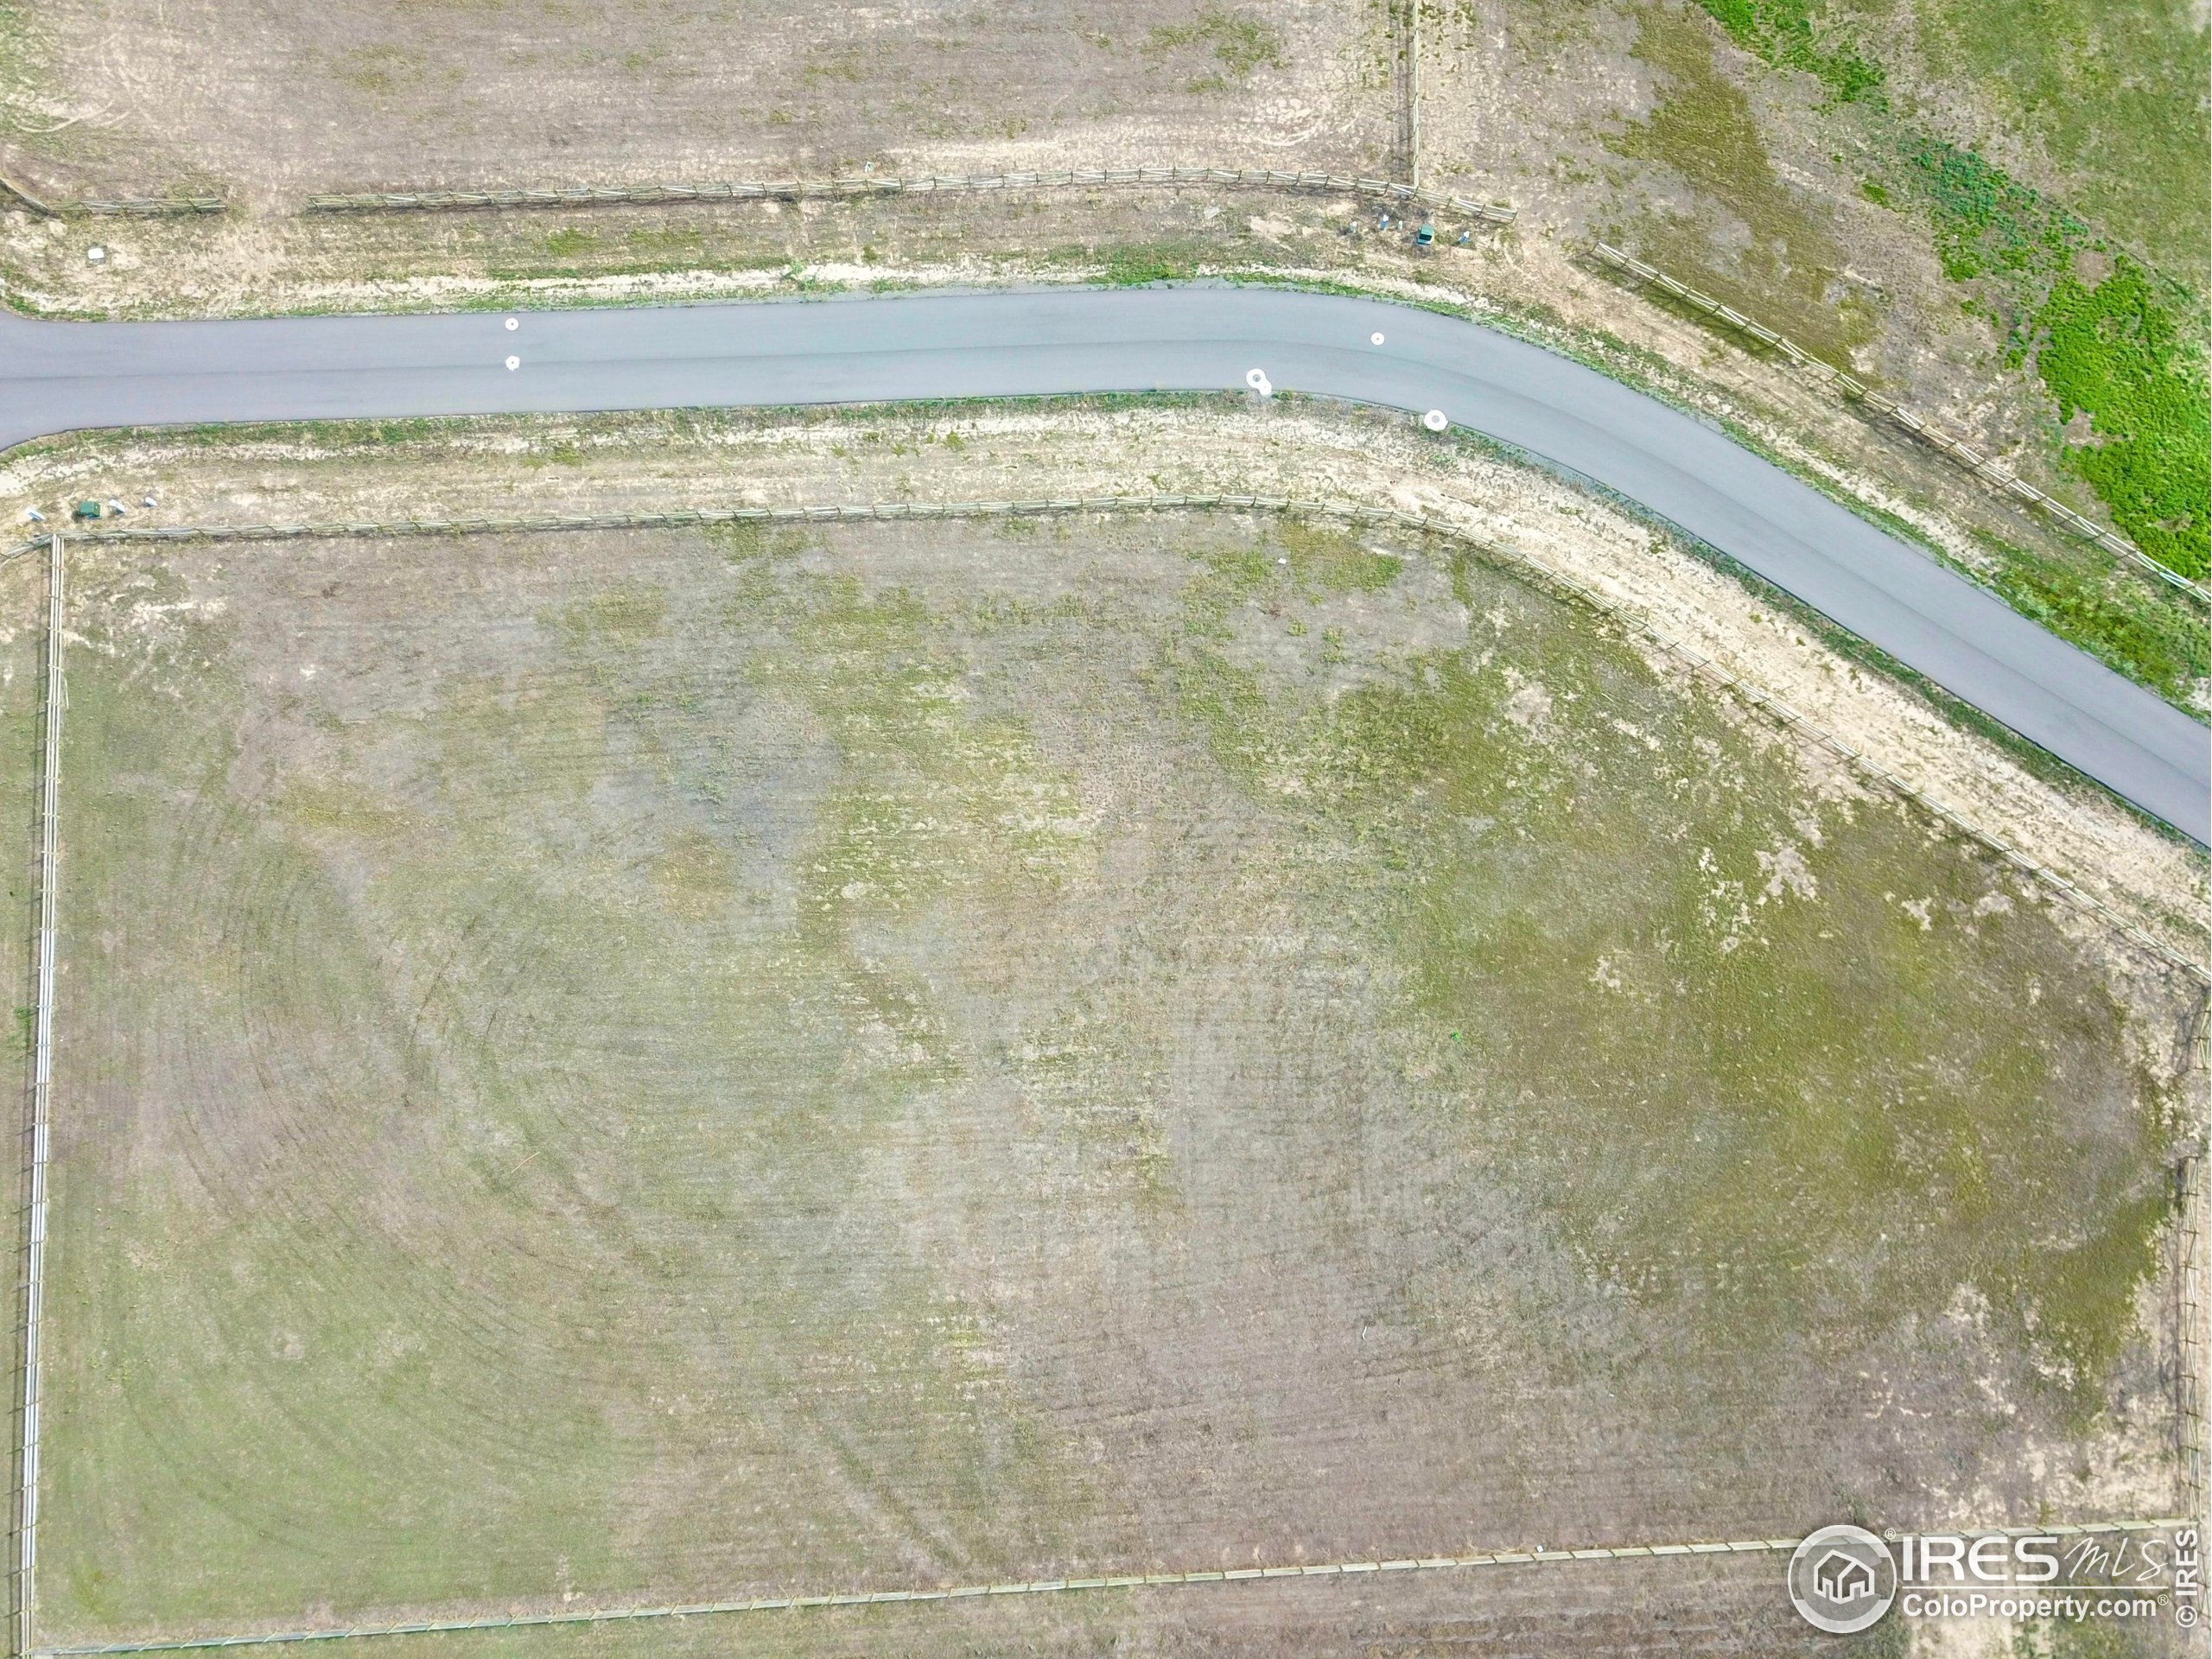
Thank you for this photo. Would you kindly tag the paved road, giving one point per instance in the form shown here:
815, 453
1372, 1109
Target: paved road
58, 377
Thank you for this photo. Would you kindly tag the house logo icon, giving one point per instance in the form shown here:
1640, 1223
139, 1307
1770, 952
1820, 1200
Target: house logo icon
1843, 1577
1842, 1580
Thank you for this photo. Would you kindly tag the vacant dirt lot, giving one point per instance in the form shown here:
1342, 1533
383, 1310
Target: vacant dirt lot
277, 101
651, 1066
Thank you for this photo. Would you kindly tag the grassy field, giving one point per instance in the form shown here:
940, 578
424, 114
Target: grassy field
2100, 102
661, 1066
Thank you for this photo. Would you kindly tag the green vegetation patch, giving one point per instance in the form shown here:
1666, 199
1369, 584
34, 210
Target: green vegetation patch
1706, 131
2124, 350
1985, 220
16, 59
2113, 353
2145, 631
1134, 267
1705, 128
1782, 32
2119, 351
1238, 41
2114, 91
1704, 995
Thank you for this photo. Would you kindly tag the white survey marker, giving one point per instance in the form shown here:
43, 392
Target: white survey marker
514, 362
1436, 420
1258, 379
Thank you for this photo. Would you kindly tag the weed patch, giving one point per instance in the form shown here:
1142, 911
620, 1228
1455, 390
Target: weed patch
2112, 352
1781, 32
1133, 267
2128, 624
1985, 220
1238, 42
2113, 90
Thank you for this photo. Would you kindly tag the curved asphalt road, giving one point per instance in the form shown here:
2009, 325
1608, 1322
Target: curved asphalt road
59, 377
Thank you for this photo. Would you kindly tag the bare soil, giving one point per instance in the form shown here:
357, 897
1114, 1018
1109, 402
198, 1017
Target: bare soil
273, 104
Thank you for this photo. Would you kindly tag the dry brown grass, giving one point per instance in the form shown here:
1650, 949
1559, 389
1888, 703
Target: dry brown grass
270, 104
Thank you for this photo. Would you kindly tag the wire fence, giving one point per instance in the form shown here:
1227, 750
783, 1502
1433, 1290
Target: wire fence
1304, 1571
143, 208
850, 189
2193, 1364
1347, 513
23, 198
933, 184
34, 1306
1858, 392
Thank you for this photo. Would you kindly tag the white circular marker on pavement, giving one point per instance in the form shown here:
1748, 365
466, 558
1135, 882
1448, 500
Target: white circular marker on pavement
514, 362
1258, 379
1436, 420
1375, 340
513, 323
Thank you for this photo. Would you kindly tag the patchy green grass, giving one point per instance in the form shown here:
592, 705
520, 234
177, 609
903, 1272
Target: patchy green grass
638, 1066
1238, 42
2114, 91
1135, 266
2113, 352
1984, 221
570, 240
315, 1422
2102, 1638
21, 63
2096, 84
2146, 632
22, 686
2125, 352
1705, 128
1782, 32
1707, 998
